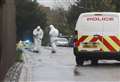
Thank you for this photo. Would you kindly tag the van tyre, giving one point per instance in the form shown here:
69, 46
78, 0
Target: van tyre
94, 62
79, 61
118, 59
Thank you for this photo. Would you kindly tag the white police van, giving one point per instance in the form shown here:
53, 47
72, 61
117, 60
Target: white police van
97, 36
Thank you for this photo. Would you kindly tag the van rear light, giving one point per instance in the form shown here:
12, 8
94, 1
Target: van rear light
75, 43
75, 38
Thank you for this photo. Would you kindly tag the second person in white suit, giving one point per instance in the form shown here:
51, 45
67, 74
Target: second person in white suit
53, 33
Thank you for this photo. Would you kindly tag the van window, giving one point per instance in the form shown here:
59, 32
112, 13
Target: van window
111, 27
85, 26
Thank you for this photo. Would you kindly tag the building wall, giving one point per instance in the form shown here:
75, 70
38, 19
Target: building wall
7, 36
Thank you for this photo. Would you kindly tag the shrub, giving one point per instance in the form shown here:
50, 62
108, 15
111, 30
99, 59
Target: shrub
19, 55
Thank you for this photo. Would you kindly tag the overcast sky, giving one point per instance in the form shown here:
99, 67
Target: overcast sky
56, 3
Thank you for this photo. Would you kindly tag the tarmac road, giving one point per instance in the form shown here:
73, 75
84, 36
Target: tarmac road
59, 67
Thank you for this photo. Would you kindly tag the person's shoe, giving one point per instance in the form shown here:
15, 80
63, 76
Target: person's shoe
35, 51
53, 51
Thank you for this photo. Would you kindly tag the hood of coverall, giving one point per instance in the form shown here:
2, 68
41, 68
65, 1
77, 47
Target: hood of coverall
38, 28
53, 31
52, 27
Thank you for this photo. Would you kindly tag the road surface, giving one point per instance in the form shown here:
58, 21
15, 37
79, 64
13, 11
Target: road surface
59, 67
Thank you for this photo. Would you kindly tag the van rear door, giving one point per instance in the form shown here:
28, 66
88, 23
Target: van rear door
111, 31
89, 29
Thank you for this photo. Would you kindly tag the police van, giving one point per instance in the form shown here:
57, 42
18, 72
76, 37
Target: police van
97, 36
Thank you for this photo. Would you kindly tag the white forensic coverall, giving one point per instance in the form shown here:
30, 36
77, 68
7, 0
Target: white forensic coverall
53, 37
37, 35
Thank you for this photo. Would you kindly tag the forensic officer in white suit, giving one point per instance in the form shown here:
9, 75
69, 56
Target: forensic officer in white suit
53, 33
37, 36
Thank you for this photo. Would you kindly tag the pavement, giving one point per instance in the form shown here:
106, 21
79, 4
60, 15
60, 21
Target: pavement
25, 75
20, 71
13, 73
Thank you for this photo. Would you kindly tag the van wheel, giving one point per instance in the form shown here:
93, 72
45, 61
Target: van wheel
94, 61
118, 59
79, 61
